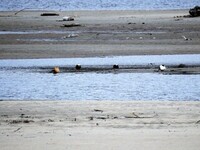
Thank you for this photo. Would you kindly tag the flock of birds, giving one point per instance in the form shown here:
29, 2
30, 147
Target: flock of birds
115, 66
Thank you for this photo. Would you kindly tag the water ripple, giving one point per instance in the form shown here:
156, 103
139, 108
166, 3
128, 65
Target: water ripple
96, 4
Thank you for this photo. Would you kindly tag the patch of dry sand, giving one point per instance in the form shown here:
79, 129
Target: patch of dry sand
99, 125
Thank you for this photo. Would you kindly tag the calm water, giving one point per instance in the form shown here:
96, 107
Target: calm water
25, 84
97, 4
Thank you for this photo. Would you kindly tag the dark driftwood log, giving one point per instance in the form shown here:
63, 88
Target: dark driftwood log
71, 25
49, 14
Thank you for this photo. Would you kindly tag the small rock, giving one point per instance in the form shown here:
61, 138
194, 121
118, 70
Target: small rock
28, 121
50, 120
91, 118
181, 66
15, 121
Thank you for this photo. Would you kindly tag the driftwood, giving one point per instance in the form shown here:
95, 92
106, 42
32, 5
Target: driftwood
71, 25
20, 11
49, 14
98, 110
18, 129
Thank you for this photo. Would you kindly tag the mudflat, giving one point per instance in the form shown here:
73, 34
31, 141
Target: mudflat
27, 34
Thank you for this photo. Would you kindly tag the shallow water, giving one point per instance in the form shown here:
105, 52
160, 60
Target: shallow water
70, 32
25, 84
97, 61
94, 86
97, 4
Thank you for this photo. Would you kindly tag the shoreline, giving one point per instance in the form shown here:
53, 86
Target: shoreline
96, 10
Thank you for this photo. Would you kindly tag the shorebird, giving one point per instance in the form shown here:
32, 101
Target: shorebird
78, 67
116, 66
162, 67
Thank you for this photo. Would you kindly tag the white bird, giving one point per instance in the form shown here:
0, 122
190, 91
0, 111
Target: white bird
162, 67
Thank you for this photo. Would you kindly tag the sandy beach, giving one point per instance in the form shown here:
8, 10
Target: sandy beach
30, 35
99, 125
85, 125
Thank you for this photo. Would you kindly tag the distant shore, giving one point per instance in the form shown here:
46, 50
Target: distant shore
99, 33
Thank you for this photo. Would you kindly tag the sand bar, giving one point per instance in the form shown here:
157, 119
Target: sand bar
101, 33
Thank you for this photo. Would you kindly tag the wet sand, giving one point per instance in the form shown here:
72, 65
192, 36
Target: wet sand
101, 33
99, 125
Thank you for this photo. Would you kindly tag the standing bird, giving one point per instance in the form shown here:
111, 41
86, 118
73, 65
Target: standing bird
162, 68
78, 67
116, 66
